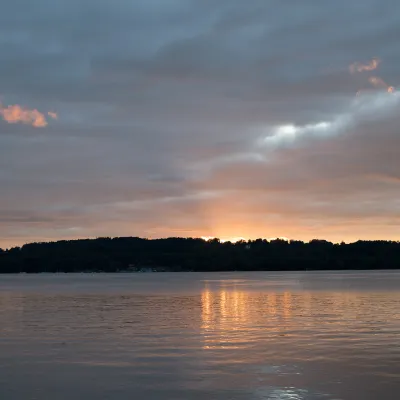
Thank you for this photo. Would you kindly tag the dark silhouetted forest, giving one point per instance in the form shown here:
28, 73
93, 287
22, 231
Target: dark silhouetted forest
188, 254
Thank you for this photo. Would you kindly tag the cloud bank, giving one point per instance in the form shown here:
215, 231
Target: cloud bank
199, 118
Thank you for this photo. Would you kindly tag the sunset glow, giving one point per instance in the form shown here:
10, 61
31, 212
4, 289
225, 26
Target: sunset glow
200, 199
219, 125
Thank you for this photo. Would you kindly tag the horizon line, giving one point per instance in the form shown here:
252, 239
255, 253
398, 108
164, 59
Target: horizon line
204, 238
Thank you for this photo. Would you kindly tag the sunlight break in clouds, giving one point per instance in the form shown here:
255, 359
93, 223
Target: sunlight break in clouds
289, 132
360, 109
14, 114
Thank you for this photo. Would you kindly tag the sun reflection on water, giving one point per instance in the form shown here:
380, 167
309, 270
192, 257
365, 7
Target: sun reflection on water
231, 317
234, 318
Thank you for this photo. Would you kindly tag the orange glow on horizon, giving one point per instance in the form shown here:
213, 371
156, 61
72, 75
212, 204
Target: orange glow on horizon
223, 240
236, 239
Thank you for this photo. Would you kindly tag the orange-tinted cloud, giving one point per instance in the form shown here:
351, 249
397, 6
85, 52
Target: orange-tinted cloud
14, 114
359, 67
380, 83
52, 115
375, 81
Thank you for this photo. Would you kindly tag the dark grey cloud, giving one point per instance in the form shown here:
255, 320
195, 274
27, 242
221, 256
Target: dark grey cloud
163, 108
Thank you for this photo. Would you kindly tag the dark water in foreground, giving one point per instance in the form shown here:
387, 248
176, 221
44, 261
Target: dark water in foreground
200, 336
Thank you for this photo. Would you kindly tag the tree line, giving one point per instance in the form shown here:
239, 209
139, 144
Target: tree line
193, 254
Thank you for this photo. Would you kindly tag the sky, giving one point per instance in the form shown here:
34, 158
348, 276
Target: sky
221, 118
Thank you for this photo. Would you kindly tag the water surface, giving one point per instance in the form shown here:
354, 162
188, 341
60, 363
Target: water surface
195, 336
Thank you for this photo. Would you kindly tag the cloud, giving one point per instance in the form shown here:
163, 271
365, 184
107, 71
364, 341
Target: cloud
373, 80
370, 66
380, 83
52, 115
364, 108
15, 113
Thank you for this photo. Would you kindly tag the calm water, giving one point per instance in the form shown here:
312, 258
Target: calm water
200, 336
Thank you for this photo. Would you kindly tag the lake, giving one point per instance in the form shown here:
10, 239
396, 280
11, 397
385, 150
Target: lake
181, 336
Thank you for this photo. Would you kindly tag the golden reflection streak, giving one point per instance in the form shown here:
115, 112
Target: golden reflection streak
227, 314
234, 318
271, 304
287, 304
